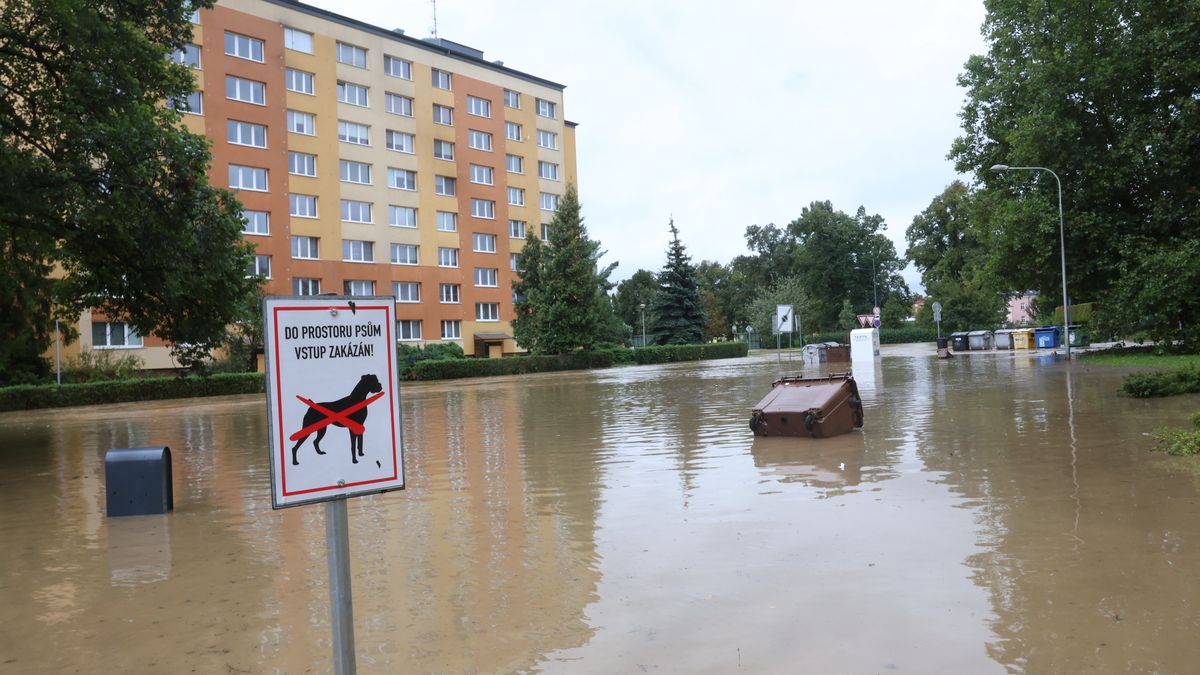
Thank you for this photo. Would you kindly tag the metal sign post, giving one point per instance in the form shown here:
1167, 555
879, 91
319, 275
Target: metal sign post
331, 369
937, 317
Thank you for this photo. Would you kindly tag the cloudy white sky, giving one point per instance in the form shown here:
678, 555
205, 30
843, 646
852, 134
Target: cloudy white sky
730, 114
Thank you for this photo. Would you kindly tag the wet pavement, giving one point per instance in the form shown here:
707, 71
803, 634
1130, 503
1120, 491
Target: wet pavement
998, 513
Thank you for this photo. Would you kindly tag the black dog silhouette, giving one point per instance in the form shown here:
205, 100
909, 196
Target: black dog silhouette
368, 384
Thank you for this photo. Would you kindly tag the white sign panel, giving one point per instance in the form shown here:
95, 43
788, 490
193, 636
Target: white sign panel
783, 319
333, 405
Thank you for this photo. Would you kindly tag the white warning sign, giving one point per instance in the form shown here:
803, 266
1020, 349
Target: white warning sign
333, 405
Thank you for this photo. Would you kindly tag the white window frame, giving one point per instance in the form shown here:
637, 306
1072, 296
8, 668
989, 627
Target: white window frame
447, 257
188, 56
246, 91
547, 170
547, 139
303, 123
487, 311
447, 221
447, 186
239, 173
350, 171
129, 335
516, 229
302, 164
257, 222
439, 150
449, 294
407, 292
548, 201
442, 79
451, 329
248, 134
398, 104
391, 64
401, 179
480, 107
351, 55
358, 287
402, 216
400, 141
443, 115
354, 211
243, 47
297, 40
306, 248
353, 94
306, 286
408, 330
354, 133
512, 99
546, 108
482, 175
515, 164
399, 254
483, 208
299, 81
358, 251
482, 242
512, 131
479, 140
192, 104
516, 196
261, 267
514, 261
487, 277
299, 205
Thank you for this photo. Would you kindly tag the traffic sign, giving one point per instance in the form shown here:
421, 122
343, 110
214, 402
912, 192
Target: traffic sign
333, 405
783, 319
937, 311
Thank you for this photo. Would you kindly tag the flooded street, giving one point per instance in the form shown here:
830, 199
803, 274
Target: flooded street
997, 513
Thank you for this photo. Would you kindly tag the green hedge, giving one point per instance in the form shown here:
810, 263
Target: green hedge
1162, 383
446, 369
672, 353
887, 336
29, 397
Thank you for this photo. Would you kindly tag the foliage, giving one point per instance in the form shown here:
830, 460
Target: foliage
633, 292
847, 317
244, 338
447, 369
677, 310
103, 187
1082, 313
1140, 357
672, 353
30, 397
1184, 380
1105, 94
788, 291
558, 307
408, 355
1180, 441
887, 336
101, 365
713, 280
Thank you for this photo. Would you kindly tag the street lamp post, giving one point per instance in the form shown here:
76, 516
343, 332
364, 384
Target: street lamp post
1062, 245
642, 307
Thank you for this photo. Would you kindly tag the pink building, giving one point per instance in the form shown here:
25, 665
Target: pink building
1020, 309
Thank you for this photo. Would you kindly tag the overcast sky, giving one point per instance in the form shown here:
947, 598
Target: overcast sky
730, 114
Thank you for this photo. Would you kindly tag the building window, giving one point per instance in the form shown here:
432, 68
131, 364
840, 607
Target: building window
516, 229
443, 150
114, 334
261, 267
512, 99
301, 123
352, 94
245, 133
189, 56
302, 206
516, 196
481, 174
483, 208
545, 232
514, 260
192, 104
357, 250
479, 106
305, 248
353, 132
547, 170
301, 286
356, 212
408, 329
351, 55
545, 108
247, 178
479, 140
451, 329
257, 222
516, 163
512, 131
397, 67
243, 47
354, 172
400, 141
302, 163
298, 81
547, 139
441, 79
443, 115
397, 104
402, 216
444, 185
485, 277
404, 254
483, 243
447, 221
297, 40
549, 202
247, 91
194, 17
487, 311
448, 294
402, 179
406, 291
358, 287
447, 257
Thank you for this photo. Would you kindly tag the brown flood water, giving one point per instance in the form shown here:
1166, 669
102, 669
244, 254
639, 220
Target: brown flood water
997, 513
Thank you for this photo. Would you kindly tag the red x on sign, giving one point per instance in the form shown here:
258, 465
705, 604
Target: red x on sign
341, 417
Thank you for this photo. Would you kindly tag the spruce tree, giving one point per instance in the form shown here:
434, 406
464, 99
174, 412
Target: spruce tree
678, 314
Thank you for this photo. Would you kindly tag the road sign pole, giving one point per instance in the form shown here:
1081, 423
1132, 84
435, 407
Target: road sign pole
341, 604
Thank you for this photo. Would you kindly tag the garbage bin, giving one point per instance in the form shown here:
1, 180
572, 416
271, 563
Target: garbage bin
959, 341
1048, 337
1078, 337
138, 481
1022, 338
836, 352
980, 340
1004, 338
943, 343
814, 354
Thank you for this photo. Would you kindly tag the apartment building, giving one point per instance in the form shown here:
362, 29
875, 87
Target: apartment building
370, 162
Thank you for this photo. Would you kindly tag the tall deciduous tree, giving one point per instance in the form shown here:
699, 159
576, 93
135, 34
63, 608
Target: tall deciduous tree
678, 312
562, 302
632, 293
101, 188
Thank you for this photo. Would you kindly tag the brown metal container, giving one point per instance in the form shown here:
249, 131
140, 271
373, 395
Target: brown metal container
816, 407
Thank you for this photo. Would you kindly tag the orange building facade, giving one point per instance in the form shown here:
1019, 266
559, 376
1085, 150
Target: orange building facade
373, 163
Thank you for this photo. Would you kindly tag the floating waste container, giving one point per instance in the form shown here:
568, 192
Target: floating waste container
1004, 338
1022, 338
836, 352
138, 481
959, 341
980, 340
816, 407
814, 353
1048, 337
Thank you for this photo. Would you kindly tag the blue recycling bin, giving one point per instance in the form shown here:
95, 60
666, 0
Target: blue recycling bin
1048, 337
138, 481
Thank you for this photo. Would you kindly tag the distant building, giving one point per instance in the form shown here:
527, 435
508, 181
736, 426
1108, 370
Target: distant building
1021, 309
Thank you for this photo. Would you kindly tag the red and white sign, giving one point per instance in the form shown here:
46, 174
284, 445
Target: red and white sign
333, 405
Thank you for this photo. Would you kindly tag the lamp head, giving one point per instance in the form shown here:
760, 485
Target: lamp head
999, 167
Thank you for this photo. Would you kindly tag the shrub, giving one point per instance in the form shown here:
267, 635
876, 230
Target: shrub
887, 336
29, 397
446, 369
408, 356
1179, 441
673, 353
1162, 383
100, 365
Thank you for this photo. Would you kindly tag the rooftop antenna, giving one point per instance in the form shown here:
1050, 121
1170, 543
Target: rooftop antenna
433, 3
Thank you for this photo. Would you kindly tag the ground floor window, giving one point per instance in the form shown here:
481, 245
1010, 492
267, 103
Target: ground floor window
452, 330
114, 334
408, 329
